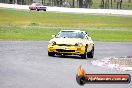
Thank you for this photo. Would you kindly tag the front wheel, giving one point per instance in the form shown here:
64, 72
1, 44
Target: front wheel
91, 54
37, 9
44, 10
84, 56
51, 53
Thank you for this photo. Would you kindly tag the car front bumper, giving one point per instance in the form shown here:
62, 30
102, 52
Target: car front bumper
77, 50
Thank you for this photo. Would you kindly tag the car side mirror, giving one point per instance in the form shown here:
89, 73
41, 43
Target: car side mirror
53, 36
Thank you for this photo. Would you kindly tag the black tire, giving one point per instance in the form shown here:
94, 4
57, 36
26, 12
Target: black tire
84, 56
37, 9
44, 10
51, 53
91, 54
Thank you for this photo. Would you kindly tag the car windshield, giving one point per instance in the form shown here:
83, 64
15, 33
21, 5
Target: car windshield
70, 34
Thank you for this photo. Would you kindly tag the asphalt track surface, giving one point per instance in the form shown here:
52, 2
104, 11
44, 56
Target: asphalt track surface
25, 64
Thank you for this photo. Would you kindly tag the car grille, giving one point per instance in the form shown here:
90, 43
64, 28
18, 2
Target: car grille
62, 50
63, 45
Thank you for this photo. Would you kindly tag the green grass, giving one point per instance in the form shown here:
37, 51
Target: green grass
31, 25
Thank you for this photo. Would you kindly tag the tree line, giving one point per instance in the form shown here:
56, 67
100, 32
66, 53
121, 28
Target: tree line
104, 4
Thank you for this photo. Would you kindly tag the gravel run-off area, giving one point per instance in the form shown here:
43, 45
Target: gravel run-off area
120, 63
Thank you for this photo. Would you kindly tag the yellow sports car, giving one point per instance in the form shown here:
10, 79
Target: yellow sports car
71, 42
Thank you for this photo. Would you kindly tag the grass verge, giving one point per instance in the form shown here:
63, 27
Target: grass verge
32, 25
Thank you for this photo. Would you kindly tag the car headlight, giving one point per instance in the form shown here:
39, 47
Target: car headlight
78, 44
53, 43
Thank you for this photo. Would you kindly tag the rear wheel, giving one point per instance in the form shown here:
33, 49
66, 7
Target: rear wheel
51, 53
91, 54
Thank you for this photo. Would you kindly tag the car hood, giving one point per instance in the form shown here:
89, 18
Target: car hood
71, 41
